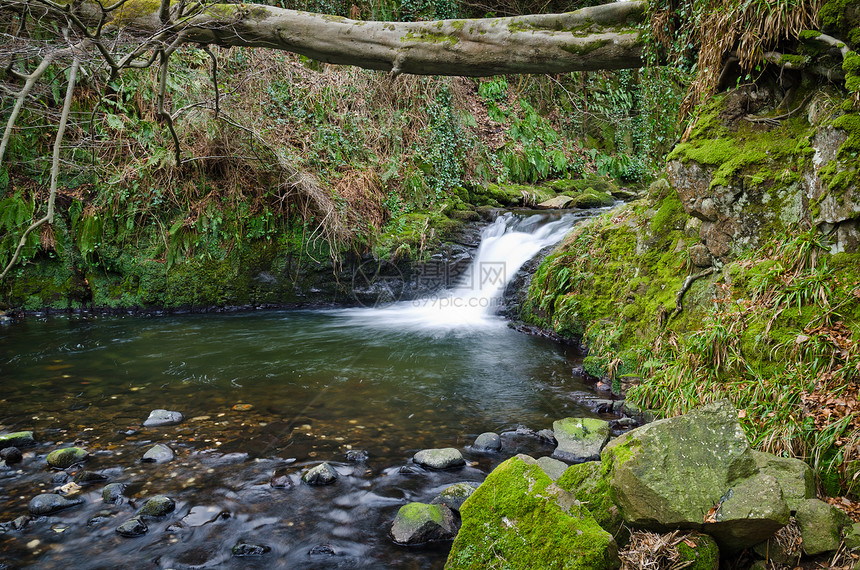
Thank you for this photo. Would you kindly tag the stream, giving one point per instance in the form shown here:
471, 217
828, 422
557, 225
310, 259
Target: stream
276, 392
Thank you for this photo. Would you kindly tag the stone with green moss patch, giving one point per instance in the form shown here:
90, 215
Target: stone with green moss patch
580, 439
520, 517
417, 523
66, 457
16, 439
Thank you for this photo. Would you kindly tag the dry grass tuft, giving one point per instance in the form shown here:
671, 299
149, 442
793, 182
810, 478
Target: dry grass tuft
653, 551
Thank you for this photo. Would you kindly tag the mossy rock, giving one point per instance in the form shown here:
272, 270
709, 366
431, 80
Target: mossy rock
591, 199
589, 483
157, 506
519, 516
704, 552
589, 183
66, 457
16, 439
417, 523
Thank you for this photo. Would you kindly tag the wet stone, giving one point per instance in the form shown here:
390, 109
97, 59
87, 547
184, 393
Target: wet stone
246, 549
89, 477
66, 457
322, 474
357, 455
20, 523
113, 493
101, 518
157, 506
132, 527
445, 458
322, 550
159, 418
411, 469
455, 495
60, 479
158, 453
488, 441
546, 435
51, 502
281, 479
16, 439
11, 455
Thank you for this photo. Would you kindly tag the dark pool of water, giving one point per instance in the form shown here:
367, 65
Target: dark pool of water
318, 384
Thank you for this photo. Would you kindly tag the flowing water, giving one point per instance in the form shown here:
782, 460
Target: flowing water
274, 392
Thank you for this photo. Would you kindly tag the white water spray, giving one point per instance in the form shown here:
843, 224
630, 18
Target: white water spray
506, 245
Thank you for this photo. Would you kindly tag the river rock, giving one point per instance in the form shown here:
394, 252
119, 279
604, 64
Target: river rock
51, 502
157, 506
158, 453
444, 458
322, 474
552, 467
89, 477
11, 455
499, 523
696, 471
580, 439
281, 479
20, 523
557, 202
455, 495
66, 457
820, 526
322, 550
16, 439
357, 455
114, 493
158, 418
244, 549
417, 523
132, 527
487, 441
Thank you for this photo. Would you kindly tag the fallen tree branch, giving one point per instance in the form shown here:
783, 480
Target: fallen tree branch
688, 282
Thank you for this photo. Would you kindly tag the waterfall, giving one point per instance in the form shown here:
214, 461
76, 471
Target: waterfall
474, 301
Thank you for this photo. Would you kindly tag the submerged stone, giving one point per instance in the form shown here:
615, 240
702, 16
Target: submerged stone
89, 477
444, 458
16, 439
357, 455
11, 455
132, 528
158, 418
487, 441
157, 506
417, 523
322, 474
66, 457
281, 479
158, 453
51, 502
244, 549
322, 550
580, 439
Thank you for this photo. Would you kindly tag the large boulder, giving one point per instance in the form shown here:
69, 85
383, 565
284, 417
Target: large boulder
417, 523
580, 439
696, 472
519, 515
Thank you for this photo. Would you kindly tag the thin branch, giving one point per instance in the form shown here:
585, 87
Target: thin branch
679, 299
55, 169
162, 88
214, 59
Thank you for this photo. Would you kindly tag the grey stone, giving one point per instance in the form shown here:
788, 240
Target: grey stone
319, 475
444, 458
17, 439
158, 418
244, 549
158, 453
455, 495
51, 502
552, 467
132, 528
113, 493
66, 457
487, 441
752, 512
157, 506
852, 537
557, 202
579, 439
11, 455
795, 477
417, 523
820, 526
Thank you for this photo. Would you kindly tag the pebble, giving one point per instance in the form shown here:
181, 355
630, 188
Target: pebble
157, 506
158, 453
245, 549
159, 418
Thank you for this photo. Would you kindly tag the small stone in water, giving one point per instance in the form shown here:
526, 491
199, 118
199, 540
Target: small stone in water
245, 549
113, 493
158, 453
157, 506
89, 477
322, 474
132, 527
16, 439
100, 518
357, 455
411, 469
281, 479
445, 458
51, 502
158, 418
66, 457
242, 407
322, 550
20, 522
11, 455
488, 441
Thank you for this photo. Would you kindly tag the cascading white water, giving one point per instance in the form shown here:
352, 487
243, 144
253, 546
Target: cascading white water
506, 244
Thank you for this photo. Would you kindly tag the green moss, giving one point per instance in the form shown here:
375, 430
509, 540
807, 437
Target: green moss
584, 48
458, 24
703, 553
419, 512
590, 483
429, 36
518, 517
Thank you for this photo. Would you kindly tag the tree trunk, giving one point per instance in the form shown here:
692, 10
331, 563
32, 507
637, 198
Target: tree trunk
600, 37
